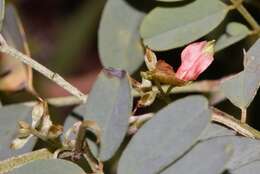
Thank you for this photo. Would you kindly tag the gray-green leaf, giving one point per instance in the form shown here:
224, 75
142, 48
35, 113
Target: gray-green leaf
49, 167
167, 136
245, 151
241, 88
110, 105
234, 32
215, 130
252, 168
206, 157
118, 40
166, 28
9, 117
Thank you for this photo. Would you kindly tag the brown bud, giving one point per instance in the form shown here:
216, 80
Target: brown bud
165, 74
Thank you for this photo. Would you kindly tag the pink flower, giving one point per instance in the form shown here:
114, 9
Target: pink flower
195, 58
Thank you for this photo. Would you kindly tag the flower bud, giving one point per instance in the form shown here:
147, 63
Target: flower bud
23, 133
147, 99
195, 59
165, 74
55, 131
18, 143
23, 125
150, 59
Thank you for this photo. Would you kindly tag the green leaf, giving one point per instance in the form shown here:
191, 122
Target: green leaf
13, 30
206, 157
48, 167
2, 12
241, 88
167, 136
109, 104
215, 130
166, 28
234, 32
18, 161
251, 168
9, 117
118, 40
253, 56
245, 151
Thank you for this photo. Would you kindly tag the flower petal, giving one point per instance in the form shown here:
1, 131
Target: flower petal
195, 58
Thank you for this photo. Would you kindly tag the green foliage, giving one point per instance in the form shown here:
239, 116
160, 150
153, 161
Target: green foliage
234, 32
9, 115
241, 88
166, 28
215, 162
118, 39
110, 105
215, 130
253, 167
166, 137
49, 166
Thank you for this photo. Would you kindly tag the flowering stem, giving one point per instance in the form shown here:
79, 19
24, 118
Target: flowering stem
238, 4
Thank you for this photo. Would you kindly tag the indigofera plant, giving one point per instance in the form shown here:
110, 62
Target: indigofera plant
132, 123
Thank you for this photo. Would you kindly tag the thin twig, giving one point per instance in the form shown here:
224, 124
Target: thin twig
4, 48
59, 101
238, 4
231, 122
219, 117
206, 86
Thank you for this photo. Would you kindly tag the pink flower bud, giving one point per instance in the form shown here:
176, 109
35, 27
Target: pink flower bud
195, 58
